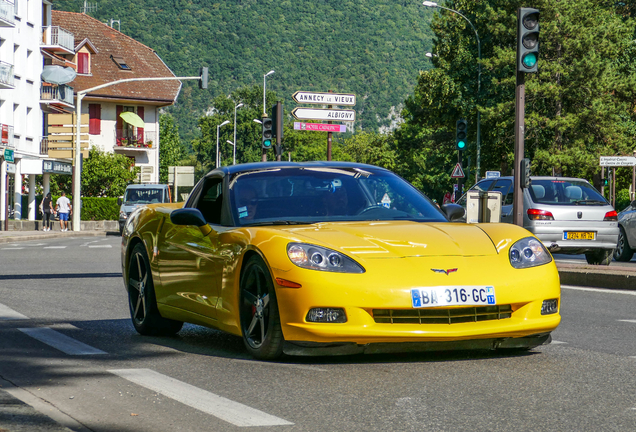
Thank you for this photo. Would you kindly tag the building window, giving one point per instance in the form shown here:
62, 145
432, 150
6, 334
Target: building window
121, 63
94, 119
83, 63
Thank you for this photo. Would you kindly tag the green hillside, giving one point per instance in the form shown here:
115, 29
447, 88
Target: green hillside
373, 48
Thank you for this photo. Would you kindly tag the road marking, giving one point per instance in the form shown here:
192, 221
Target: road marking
54, 247
60, 341
6, 313
13, 248
220, 407
606, 291
556, 342
100, 246
629, 321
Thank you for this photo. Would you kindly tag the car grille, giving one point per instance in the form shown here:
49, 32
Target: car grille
442, 316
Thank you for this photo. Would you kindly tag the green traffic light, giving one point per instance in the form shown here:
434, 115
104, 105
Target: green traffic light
529, 60
267, 143
461, 145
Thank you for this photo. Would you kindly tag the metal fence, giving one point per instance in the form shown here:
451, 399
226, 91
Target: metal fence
7, 11
62, 93
57, 36
6, 73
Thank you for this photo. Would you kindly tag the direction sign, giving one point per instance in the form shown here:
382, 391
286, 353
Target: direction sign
617, 161
324, 114
324, 98
493, 174
320, 127
458, 172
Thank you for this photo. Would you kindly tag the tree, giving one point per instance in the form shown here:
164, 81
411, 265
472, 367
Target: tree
579, 106
171, 150
106, 174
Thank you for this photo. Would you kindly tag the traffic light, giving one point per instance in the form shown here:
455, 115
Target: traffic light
203, 83
527, 40
267, 133
525, 173
277, 121
460, 135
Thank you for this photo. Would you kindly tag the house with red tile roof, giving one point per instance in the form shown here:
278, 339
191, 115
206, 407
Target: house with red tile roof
122, 118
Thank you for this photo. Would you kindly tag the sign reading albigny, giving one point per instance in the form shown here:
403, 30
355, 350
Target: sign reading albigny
324, 114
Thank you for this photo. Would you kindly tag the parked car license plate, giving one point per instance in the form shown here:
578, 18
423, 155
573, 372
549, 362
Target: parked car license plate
453, 296
579, 235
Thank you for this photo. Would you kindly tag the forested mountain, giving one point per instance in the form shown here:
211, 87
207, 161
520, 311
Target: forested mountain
373, 48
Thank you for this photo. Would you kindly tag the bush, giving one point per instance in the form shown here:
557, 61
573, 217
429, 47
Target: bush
92, 208
622, 199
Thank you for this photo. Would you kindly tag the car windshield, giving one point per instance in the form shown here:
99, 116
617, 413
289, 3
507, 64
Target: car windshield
565, 192
142, 196
308, 195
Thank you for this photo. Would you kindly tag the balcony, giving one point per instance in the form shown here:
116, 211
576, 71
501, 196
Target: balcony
57, 40
6, 75
44, 146
57, 94
128, 141
7, 13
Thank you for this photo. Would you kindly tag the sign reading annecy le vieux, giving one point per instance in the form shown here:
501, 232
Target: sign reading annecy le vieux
324, 98
617, 161
320, 127
324, 114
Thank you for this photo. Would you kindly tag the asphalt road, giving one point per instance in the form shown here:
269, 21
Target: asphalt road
68, 348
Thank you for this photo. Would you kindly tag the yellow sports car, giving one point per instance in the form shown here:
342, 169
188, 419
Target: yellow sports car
334, 258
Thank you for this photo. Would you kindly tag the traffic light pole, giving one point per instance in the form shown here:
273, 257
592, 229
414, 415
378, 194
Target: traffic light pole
520, 96
460, 181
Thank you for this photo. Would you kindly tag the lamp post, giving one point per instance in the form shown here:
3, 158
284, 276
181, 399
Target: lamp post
218, 162
264, 83
433, 4
234, 154
257, 121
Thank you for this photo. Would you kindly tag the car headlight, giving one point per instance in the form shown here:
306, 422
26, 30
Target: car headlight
529, 252
122, 214
313, 257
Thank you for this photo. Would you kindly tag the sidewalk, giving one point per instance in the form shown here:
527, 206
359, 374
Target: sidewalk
612, 276
18, 236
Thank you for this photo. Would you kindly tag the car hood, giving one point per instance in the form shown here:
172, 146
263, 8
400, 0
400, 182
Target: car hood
390, 239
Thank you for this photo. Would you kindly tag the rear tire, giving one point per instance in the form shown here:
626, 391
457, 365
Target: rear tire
623, 252
260, 321
599, 257
142, 301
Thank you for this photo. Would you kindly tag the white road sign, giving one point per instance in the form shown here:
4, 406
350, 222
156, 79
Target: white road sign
324, 114
617, 161
324, 98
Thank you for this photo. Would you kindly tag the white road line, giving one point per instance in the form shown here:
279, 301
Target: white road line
13, 248
100, 246
606, 291
629, 321
225, 409
60, 341
556, 342
7, 313
54, 247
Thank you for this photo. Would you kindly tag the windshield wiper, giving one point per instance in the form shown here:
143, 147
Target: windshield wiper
588, 202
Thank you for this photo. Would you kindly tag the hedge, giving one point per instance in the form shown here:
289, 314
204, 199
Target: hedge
92, 208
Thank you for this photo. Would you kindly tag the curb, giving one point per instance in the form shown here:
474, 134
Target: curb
11, 237
17, 416
590, 276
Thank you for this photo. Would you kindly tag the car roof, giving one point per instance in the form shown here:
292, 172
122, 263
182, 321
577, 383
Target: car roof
538, 178
257, 166
146, 186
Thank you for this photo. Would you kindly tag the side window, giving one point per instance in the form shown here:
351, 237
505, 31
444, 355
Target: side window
482, 185
210, 201
505, 187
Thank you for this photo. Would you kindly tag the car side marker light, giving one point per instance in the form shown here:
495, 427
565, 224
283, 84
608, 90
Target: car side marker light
287, 284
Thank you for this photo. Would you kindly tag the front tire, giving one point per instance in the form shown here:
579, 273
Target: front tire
142, 301
260, 321
623, 252
599, 257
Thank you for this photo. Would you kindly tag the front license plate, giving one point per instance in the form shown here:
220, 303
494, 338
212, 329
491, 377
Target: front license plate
579, 235
453, 296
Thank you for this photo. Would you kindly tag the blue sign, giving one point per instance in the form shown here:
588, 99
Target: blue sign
492, 174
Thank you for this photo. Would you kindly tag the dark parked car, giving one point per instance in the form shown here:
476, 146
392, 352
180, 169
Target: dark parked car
626, 244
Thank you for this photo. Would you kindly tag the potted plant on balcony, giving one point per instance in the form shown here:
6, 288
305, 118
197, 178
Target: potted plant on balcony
124, 142
149, 143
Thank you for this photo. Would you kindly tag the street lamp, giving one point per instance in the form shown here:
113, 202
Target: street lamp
264, 102
430, 55
433, 4
218, 162
257, 121
233, 145
234, 154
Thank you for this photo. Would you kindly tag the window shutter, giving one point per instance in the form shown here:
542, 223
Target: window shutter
94, 119
82, 63
140, 131
119, 123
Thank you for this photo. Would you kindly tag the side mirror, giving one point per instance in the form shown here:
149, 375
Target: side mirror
190, 216
120, 201
453, 211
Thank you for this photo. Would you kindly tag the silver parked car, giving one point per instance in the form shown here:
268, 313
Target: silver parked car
567, 214
626, 245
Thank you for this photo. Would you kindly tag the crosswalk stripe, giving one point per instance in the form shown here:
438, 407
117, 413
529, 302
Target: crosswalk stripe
60, 341
218, 406
6, 313
54, 247
13, 248
100, 246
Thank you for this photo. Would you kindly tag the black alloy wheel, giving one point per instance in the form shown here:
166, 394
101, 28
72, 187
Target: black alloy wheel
142, 301
599, 257
623, 252
260, 322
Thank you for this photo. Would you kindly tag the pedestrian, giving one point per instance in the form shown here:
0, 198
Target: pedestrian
46, 207
63, 208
